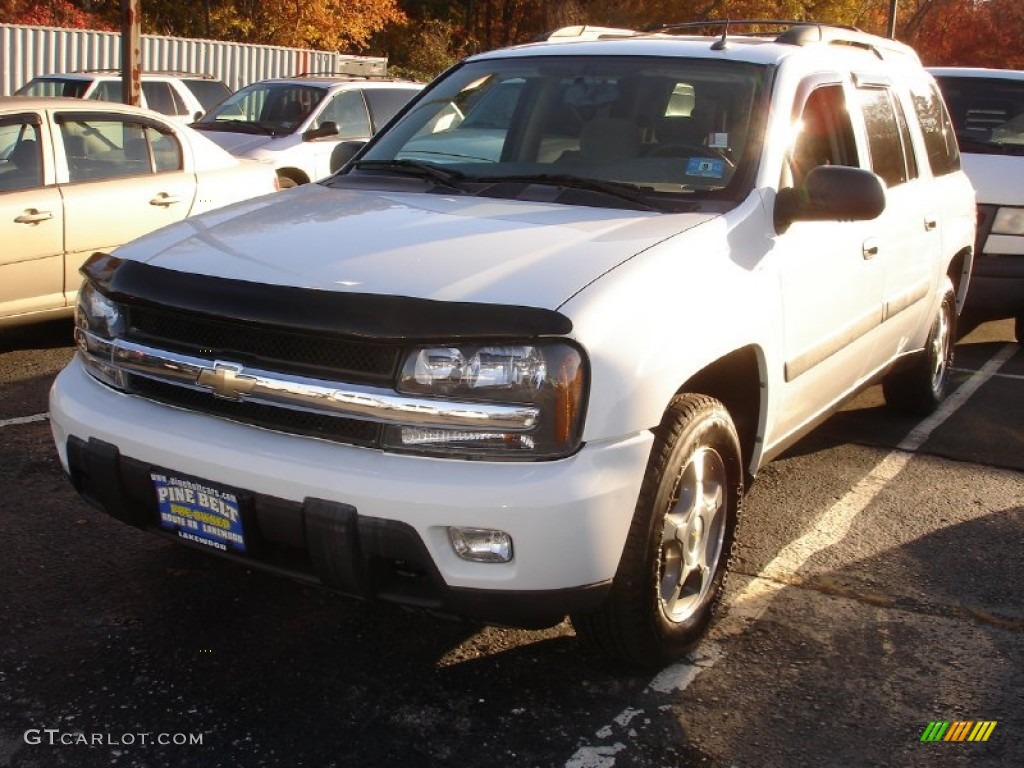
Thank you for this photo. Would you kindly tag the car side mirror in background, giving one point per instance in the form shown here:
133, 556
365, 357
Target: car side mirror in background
831, 193
328, 128
344, 152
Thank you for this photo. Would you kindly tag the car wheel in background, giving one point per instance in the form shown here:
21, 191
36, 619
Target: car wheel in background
673, 564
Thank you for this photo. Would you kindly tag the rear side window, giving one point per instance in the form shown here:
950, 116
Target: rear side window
937, 129
210, 93
384, 103
888, 137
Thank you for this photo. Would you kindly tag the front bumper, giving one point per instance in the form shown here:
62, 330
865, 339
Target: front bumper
362, 521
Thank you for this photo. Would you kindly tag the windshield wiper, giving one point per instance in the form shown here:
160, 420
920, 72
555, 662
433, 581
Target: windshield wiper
440, 176
244, 126
620, 190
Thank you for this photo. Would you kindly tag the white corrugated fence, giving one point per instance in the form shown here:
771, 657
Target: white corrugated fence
29, 51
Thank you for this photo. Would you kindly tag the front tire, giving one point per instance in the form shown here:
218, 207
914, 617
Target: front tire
921, 387
670, 576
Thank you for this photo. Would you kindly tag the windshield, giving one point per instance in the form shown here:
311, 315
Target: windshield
275, 108
988, 114
46, 87
668, 128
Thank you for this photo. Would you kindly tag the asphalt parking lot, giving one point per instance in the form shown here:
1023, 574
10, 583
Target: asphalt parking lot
875, 590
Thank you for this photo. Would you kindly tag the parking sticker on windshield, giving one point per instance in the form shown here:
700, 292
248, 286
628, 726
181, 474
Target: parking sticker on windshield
708, 167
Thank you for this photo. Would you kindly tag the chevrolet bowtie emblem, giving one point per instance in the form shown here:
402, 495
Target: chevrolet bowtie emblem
226, 380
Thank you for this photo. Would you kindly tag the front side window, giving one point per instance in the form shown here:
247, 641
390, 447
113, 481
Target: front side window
607, 121
348, 111
824, 134
107, 148
21, 160
107, 90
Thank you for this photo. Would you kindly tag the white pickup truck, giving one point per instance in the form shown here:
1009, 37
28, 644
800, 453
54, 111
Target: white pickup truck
520, 358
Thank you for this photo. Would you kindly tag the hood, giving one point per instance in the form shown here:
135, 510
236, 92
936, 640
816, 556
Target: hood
996, 178
410, 244
237, 143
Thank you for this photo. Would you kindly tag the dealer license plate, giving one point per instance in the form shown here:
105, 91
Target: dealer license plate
199, 513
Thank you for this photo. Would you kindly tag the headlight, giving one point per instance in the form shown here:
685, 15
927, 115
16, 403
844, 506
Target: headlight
1008, 221
98, 320
547, 375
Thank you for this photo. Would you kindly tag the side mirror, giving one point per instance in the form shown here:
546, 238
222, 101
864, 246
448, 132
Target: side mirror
831, 193
328, 128
344, 152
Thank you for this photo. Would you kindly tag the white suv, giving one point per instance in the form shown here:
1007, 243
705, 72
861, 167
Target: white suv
521, 356
181, 95
296, 124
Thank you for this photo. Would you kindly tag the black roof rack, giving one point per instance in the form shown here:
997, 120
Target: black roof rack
794, 32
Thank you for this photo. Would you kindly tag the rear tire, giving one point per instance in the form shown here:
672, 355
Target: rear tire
923, 385
669, 580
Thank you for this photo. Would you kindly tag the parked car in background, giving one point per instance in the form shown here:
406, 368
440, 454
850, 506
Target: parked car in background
77, 177
295, 124
987, 108
183, 96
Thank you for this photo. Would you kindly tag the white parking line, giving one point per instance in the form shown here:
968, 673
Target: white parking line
23, 420
748, 605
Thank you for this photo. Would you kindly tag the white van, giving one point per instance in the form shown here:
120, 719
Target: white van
987, 107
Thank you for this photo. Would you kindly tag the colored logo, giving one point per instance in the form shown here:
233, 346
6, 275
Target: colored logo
960, 730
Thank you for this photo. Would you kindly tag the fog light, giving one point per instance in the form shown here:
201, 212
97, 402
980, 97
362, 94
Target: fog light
481, 545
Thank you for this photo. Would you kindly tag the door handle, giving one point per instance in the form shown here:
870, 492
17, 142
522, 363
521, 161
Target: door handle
930, 223
870, 249
34, 216
163, 199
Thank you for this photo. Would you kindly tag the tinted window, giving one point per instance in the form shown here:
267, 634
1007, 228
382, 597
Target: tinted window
21, 161
885, 140
939, 139
988, 113
384, 103
210, 93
